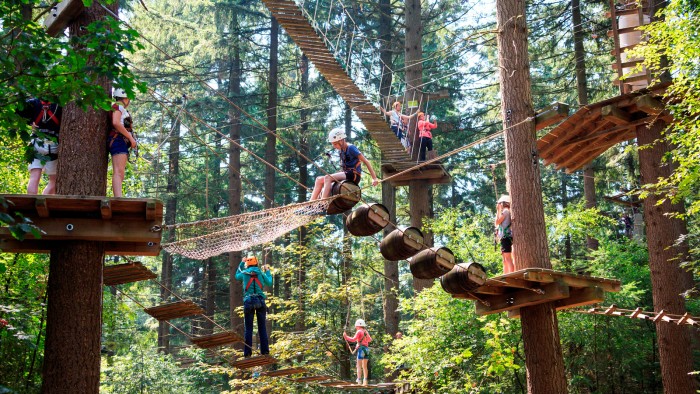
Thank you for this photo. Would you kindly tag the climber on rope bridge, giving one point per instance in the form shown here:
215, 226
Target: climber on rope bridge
351, 160
253, 279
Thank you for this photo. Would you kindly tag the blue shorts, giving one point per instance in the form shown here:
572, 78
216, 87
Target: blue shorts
118, 145
363, 353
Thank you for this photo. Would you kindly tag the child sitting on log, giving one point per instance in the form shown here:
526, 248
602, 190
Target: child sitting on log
351, 160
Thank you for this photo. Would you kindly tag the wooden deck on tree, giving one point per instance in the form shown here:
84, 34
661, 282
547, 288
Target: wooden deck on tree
595, 128
126, 273
298, 27
174, 310
127, 226
60, 15
256, 361
216, 340
334, 383
535, 286
284, 372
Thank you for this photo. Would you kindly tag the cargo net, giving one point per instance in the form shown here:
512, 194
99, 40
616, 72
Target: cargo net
206, 238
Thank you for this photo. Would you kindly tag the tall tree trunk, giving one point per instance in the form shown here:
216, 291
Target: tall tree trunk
582, 90
385, 34
391, 268
210, 296
669, 281
74, 313
564, 204
234, 164
166, 275
301, 191
419, 190
543, 356
270, 151
345, 311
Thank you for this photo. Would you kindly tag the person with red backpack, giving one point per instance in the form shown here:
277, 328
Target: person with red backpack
362, 339
253, 279
45, 119
120, 140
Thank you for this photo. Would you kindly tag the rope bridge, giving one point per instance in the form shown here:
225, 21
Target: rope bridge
207, 238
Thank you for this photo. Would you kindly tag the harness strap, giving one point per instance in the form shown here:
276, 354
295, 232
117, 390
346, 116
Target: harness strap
253, 278
45, 114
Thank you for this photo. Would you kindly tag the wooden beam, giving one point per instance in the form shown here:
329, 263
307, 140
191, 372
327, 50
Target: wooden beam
649, 105
106, 209
615, 115
11, 245
577, 297
551, 115
573, 280
93, 230
42, 208
522, 298
61, 15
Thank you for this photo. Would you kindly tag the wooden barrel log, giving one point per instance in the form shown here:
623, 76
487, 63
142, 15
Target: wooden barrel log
463, 278
367, 220
431, 264
399, 245
349, 193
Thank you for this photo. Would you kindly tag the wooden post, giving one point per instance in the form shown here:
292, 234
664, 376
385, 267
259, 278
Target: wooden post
543, 356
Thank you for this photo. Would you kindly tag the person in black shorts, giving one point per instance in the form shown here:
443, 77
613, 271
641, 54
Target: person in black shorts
504, 232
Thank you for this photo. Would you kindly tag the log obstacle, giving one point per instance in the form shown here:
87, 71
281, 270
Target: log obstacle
367, 220
349, 193
400, 245
431, 264
463, 278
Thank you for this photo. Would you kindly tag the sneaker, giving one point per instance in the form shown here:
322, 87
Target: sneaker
359, 381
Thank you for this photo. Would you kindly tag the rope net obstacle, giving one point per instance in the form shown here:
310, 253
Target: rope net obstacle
207, 238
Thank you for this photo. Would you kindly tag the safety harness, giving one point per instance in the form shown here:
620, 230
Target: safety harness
356, 170
45, 114
253, 278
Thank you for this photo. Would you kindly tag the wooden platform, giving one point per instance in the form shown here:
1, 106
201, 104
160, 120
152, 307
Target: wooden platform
174, 310
216, 340
433, 173
334, 383
126, 273
284, 372
534, 286
256, 361
595, 128
127, 226
308, 379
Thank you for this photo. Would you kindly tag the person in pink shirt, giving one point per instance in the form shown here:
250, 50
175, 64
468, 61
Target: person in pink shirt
362, 339
425, 134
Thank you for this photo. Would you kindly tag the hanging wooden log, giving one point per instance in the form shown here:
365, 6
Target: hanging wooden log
431, 264
463, 278
367, 220
349, 193
399, 245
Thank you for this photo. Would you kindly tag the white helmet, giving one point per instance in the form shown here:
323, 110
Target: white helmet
119, 93
360, 323
504, 198
336, 135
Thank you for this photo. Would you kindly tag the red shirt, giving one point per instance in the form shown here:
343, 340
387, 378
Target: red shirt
361, 336
424, 128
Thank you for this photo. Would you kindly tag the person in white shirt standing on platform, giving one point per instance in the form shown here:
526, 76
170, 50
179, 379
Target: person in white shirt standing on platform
505, 234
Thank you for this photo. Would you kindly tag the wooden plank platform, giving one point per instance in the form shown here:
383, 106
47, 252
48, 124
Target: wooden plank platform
127, 226
60, 15
308, 379
218, 339
175, 310
334, 383
595, 128
284, 372
126, 273
535, 286
256, 361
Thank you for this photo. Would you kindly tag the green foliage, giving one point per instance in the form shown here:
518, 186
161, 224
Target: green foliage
673, 48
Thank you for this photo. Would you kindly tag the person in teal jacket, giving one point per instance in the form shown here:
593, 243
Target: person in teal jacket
253, 279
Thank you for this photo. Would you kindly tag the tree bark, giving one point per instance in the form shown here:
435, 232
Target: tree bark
234, 177
166, 275
74, 312
669, 281
582, 91
543, 356
419, 190
346, 312
300, 324
391, 268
